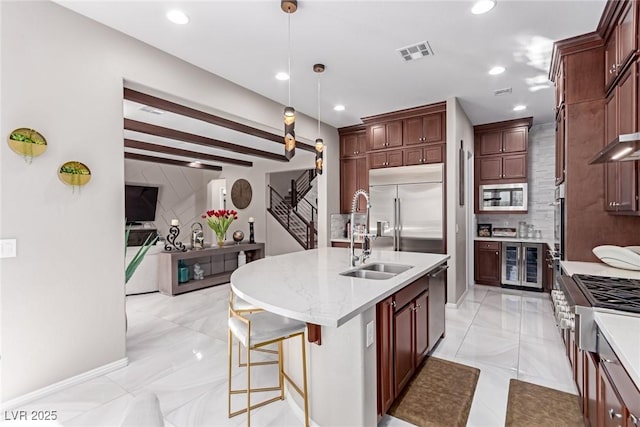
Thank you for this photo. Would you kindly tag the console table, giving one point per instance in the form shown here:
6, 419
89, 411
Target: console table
217, 262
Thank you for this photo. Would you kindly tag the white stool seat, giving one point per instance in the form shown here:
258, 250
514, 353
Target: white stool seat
239, 304
265, 326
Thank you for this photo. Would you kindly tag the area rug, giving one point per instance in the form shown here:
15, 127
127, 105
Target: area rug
534, 405
440, 394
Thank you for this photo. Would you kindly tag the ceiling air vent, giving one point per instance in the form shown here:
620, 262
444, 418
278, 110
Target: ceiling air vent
504, 91
415, 51
151, 110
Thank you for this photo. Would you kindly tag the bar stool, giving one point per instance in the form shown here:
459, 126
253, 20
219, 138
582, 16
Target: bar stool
241, 306
254, 330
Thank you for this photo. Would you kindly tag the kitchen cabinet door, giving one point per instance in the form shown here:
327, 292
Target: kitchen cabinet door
611, 410
590, 389
434, 128
626, 94
353, 144
514, 166
490, 143
413, 131
384, 320
386, 135
394, 158
560, 144
433, 154
348, 183
610, 60
403, 346
487, 263
413, 156
490, 168
437, 301
421, 313
362, 182
514, 140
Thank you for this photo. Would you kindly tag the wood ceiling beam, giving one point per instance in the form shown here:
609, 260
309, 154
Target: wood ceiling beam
143, 158
130, 143
148, 128
183, 110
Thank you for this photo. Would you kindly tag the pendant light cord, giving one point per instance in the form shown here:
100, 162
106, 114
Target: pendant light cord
318, 105
289, 51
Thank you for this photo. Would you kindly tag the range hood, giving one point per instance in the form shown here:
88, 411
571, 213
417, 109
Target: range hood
623, 148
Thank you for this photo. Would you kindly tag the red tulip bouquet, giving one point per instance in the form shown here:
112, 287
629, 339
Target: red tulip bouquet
219, 221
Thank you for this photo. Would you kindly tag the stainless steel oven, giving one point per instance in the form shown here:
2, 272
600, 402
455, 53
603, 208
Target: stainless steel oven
503, 197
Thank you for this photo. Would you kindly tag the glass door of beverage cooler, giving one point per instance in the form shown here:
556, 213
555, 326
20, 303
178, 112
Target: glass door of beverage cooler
532, 266
511, 263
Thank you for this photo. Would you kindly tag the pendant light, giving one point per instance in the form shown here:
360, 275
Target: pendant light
319, 69
289, 6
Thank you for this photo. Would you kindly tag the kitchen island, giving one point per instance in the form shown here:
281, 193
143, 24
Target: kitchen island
307, 286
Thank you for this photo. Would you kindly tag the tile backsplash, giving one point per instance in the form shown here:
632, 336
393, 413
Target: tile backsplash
339, 224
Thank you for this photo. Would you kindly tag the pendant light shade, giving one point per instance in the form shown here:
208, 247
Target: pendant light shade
319, 69
289, 132
289, 7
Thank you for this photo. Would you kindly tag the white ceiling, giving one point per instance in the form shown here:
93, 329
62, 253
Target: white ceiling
246, 42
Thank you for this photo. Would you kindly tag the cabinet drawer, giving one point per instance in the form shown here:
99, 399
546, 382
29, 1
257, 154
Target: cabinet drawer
410, 292
623, 384
488, 245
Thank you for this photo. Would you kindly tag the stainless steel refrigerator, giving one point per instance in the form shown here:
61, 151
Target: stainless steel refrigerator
407, 208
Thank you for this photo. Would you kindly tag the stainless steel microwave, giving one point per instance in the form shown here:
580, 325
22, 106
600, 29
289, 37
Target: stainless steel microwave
503, 197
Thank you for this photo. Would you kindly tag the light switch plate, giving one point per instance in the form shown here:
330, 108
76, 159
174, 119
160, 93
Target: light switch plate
7, 248
369, 334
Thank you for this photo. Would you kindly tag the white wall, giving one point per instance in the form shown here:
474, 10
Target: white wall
63, 296
459, 128
280, 241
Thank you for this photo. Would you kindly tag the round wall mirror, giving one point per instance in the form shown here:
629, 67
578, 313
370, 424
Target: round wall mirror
241, 193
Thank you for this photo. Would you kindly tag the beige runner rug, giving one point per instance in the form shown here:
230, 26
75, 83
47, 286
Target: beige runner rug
440, 394
534, 405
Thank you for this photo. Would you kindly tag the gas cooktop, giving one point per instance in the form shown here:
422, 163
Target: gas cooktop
610, 292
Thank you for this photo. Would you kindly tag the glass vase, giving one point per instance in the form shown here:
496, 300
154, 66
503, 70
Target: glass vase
220, 241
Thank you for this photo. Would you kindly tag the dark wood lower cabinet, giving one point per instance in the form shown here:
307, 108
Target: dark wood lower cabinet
403, 346
590, 407
611, 411
487, 263
404, 324
384, 320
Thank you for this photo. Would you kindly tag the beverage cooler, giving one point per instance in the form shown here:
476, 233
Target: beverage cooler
522, 264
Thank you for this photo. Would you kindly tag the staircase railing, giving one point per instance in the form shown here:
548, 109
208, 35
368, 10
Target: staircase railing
301, 185
306, 210
301, 229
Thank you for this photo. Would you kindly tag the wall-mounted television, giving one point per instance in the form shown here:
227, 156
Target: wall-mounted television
140, 203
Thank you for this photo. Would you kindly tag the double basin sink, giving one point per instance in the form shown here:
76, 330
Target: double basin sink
377, 271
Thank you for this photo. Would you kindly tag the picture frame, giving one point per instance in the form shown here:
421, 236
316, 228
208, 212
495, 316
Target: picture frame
484, 230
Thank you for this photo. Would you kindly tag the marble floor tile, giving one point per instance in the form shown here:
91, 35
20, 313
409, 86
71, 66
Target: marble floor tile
78, 399
490, 346
177, 347
498, 318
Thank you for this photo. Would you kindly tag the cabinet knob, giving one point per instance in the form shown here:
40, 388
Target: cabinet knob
393, 303
633, 419
497, 253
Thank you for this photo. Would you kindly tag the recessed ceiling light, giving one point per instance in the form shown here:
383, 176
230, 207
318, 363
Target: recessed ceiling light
483, 6
177, 17
496, 70
339, 107
282, 76
519, 107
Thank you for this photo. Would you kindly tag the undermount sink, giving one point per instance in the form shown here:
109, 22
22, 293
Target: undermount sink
387, 268
376, 271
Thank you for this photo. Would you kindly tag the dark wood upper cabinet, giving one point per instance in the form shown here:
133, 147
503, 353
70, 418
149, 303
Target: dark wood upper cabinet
514, 167
622, 42
385, 135
560, 146
353, 144
427, 129
490, 143
354, 174
386, 159
424, 155
514, 140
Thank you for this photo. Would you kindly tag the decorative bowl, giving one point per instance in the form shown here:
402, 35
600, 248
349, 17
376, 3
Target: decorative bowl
238, 236
619, 257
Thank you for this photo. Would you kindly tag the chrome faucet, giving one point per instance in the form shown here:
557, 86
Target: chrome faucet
366, 240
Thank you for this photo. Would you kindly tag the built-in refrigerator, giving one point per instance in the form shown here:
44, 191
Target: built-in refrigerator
522, 265
407, 208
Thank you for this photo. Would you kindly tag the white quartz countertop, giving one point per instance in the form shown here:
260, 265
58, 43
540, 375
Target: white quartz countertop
307, 286
597, 269
621, 331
